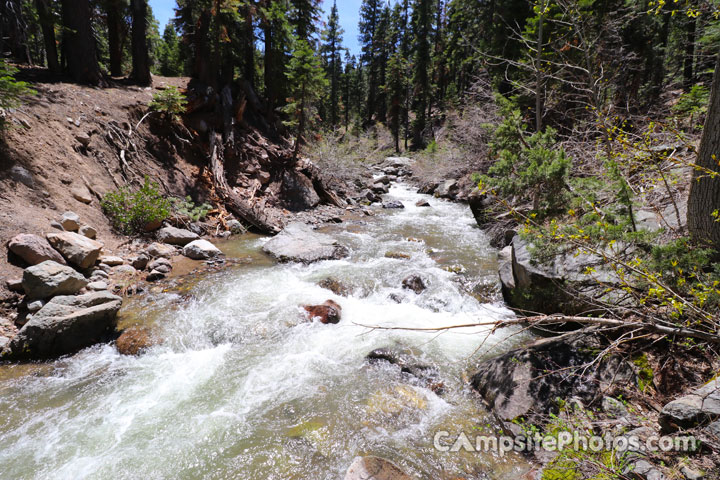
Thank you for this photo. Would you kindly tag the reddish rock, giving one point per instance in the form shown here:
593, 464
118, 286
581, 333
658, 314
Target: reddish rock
135, 340
328, 312
34, 249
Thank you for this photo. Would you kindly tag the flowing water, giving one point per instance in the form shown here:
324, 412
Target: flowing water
243, 387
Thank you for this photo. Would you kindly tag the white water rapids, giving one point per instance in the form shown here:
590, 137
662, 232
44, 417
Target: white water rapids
243, 388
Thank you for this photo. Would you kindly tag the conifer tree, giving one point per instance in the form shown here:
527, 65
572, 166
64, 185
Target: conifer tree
422, 23
331, 48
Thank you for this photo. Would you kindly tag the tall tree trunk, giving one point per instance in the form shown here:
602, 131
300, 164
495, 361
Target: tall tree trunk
201, 67
538, 72
79, 44
704, 199
249, 60
48, 30
689, 60
114, 26
140, 54
268, 62
13, 31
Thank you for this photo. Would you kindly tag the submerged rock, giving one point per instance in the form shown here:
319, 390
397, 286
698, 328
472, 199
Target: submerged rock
51, 278
415, 283
335, 286
34, 249
328, 312
298, 242
409, 365
393, 204
422, 203
374, 468
135, 340
77, 249
65, 325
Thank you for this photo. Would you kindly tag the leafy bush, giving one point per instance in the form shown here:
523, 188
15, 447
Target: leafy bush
10, 89
532, 168
130, 212
186, 207
169, 102
693, 102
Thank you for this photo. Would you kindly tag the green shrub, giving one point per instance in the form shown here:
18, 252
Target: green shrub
170, 102
10, 89
130, 212
693, 102
186, 207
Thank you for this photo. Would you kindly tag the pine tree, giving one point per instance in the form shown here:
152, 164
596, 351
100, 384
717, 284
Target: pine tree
331, 48
277, 36
304, 16
169, 63
369, 18
396, 75
422, 23
307, 82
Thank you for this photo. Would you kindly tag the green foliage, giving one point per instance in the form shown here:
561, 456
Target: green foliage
168, 53
11, 90
532, 168
693, 102
432, 147
170, 102
187, 208
645, 372
131, 211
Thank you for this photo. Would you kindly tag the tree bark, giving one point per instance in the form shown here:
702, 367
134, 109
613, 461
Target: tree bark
47, 24
114, 26
140, 55
79, 44
689, 60
704, 198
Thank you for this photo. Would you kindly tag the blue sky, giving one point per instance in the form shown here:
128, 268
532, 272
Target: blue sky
349, 10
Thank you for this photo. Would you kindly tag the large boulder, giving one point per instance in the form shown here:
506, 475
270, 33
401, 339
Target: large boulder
374, 468
526, 383
298, 242
34, 249
50, 278
479, 205
201, 250
570, 283
298, 191
65, 325
700, 407
448, 189
327, 312
77, 249
160, 250
176, 236
70, 221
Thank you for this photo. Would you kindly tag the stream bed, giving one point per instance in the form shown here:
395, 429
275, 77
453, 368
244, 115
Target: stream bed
244, 387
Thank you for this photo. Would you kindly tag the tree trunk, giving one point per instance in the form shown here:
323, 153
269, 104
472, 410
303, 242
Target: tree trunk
538, 71
249, 61
79, 44
201, 68
114, 26
140, 55
48, 30
704, 197
689, 60
268, 65
13, 31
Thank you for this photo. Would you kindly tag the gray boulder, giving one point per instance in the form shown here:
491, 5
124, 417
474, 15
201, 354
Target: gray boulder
298, 191
390, 204
298, 242
526, 382
82, 194
111, 260
374, 468
398, 162
155, 250
70, 221
77, 249
176, 236
700, 407
201, 250
21, 175
447, 189
415, 283
51, 278
65, 325
34, 249
87, 231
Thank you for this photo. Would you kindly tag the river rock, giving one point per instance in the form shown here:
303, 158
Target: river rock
139, 261
298, 191
428, 188
176, 236
87, 231
156, 275
527, 382
135, 340
50, 278
77, 249
235, 227
415, 283
374, 468
160, 250
65, 325
160, 264
379, 188
97, 286
370, 196
328, 312
479, 206
70, 221
448, 189
201, 250
34, 249
422, 203
398, 162
385, 180
124, 270
335, 286
14, 284
393, 204
700, 407
298, 242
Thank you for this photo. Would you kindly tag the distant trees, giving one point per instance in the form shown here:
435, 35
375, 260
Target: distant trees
78, 43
